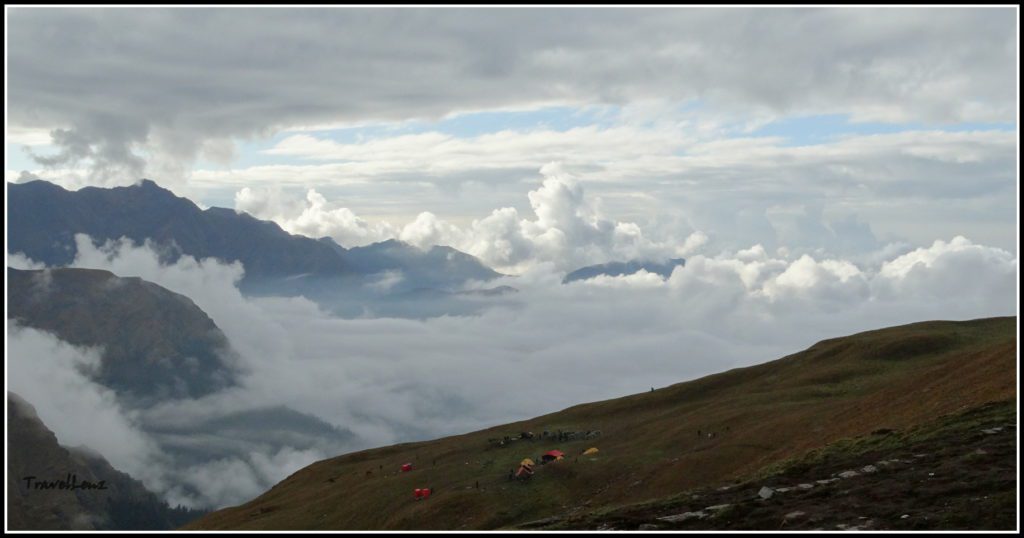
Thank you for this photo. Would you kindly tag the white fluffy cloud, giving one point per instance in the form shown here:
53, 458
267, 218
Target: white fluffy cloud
567, 230
314, 219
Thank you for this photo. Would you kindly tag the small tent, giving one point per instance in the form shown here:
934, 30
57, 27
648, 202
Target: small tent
524, 472
552, 455
589, 451
406, 467
527, 461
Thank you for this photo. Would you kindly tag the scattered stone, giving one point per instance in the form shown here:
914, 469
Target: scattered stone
796, 514
870, 469
827, 481
805, 486
718, 507
542, 522
649, 527
848, 474
765, 492
991, 431
725, 488
920, 455
781, 490
637, 483
931, 474
904, 516
980, 452
685, 516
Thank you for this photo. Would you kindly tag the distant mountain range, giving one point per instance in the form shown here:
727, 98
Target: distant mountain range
624, 268
34, 456
43, 219
156, 344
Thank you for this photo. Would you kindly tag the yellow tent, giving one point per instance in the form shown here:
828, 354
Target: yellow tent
527, 461
590, 451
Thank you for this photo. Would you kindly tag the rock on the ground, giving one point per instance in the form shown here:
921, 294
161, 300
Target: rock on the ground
796, 514
648, 527
685, 516
765, 492
848, 474
870, 469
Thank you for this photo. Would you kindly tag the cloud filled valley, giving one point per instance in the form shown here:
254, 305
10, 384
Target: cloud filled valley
552, 345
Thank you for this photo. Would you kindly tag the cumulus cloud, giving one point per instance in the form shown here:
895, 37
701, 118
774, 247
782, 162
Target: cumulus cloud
315, 218
567, 229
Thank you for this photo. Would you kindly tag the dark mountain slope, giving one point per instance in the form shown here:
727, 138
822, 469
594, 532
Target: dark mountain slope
157, 344
43, 219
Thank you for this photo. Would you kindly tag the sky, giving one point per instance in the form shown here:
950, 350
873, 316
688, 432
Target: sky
823, 172
860, 127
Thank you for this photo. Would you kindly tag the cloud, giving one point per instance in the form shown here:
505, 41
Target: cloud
567, 230
54, 377
20, 261
391, 380
850, 195
314, 218
114, 100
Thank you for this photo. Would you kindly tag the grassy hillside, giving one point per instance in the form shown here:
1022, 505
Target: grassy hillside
896, 378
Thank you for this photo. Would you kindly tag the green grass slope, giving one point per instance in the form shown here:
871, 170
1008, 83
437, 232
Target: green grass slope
897, 378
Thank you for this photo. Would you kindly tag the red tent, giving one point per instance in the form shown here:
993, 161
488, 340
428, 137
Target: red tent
421, 493
552, 455
406, 467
